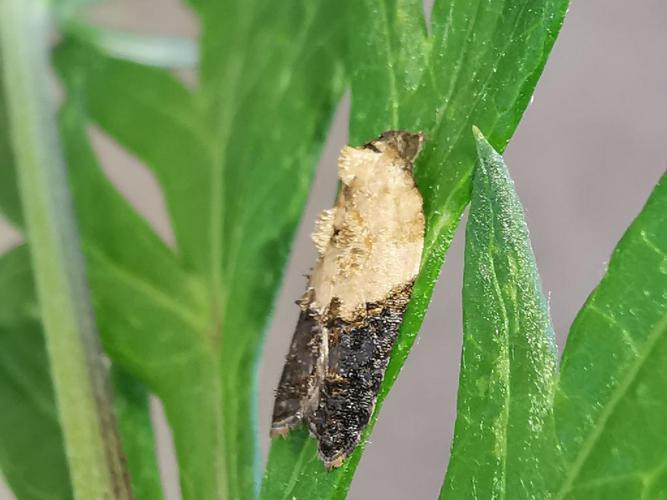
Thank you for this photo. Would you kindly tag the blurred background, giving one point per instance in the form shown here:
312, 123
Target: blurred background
590, 148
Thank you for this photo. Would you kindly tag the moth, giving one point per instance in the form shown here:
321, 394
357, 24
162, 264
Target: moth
369, 249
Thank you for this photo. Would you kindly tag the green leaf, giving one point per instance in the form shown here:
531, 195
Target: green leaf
610, 408
605, 436
10, 204
479, 66
132, 410
32, 455
234, 159
508, 366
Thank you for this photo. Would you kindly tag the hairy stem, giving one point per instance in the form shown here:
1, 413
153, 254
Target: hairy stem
80, 378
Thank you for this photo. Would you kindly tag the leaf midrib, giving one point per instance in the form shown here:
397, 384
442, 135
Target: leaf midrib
506, 327
217, 291
615, 399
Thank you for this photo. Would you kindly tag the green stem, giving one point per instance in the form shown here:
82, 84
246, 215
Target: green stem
81, 384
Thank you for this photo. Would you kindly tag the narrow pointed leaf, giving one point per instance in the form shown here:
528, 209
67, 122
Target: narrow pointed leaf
479, 66
508, 364
611, 406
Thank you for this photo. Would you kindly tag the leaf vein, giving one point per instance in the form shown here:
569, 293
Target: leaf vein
157, 295
615, 323
617, 395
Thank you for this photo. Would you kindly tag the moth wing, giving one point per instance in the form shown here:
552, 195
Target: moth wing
358, 354
297, 391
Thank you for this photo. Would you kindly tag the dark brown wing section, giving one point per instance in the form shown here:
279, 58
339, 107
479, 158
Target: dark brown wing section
299, 384
359, 352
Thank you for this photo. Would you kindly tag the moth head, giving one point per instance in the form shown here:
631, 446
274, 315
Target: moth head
405, 145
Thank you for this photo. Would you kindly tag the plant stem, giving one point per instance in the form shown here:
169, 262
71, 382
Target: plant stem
79, 375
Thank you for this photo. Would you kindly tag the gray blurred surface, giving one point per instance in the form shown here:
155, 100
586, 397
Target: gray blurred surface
589, 150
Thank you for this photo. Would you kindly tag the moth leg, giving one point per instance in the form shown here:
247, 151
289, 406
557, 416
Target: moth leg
298, 389
358, 354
